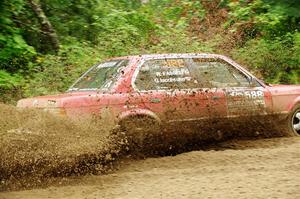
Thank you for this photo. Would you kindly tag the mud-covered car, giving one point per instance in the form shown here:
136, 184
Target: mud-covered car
156, 92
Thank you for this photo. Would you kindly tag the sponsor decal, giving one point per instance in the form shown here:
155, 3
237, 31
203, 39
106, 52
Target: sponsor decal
175, 63
173, 75
172, 79
173, 72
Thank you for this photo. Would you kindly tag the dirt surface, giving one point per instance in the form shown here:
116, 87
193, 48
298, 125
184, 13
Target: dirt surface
266, 168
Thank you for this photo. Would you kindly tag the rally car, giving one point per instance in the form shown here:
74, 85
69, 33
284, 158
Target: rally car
162, 90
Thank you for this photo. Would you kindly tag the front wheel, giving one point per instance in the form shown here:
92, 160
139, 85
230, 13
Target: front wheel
293, 122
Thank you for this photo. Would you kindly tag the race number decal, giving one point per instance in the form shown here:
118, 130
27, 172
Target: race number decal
245, 101
253, 94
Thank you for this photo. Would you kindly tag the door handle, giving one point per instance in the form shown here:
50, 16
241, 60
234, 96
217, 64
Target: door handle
155, 100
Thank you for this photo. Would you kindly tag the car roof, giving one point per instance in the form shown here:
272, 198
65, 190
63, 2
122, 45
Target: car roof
172, 55
182, 55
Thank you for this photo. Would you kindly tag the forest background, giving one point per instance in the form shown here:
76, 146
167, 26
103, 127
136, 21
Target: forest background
46, 44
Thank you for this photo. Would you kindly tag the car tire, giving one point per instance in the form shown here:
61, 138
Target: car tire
292, 123
140, 130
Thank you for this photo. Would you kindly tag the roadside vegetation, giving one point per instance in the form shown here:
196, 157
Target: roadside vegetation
46, 44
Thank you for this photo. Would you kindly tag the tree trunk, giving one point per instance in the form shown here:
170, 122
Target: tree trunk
46, 26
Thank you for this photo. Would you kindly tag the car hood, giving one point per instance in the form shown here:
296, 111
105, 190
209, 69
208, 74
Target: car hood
52, 100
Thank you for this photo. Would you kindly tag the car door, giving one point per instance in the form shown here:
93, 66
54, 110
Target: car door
168, 89
235, 93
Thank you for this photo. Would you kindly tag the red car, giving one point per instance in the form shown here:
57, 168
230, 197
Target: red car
175, 89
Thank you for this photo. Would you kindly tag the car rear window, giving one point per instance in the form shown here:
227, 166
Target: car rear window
101, 76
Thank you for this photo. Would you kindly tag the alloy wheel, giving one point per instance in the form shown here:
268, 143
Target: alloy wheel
296, 122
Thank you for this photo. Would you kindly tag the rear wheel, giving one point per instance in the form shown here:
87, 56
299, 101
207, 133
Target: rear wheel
140, 130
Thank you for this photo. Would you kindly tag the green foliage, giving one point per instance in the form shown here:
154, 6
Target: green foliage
114, 25
15, 53
10, 86
170, 11
276, 60
270, 17
8, 81
273, 47
177, 40
267, 32
55, 73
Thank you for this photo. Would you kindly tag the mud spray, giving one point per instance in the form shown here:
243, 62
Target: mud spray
35, 147
38, 148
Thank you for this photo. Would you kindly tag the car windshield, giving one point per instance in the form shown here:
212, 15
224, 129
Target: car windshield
100, 77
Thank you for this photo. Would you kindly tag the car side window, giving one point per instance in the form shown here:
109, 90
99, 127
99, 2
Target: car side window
217, 73
177, 73
165, 74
